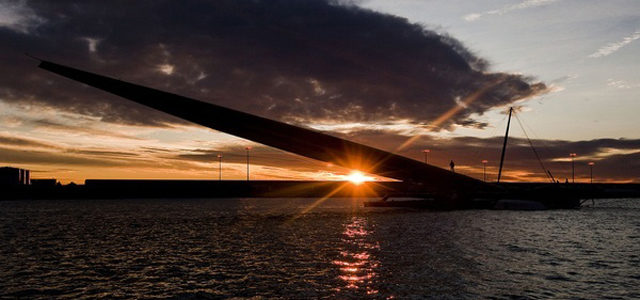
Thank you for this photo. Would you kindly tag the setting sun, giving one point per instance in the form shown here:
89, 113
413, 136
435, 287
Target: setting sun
356, 177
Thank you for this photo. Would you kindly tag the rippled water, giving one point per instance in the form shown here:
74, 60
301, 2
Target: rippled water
213, 248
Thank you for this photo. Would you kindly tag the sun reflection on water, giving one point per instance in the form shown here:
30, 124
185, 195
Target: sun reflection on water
356, 263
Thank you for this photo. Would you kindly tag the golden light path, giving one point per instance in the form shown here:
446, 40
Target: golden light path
357, 262
460, 105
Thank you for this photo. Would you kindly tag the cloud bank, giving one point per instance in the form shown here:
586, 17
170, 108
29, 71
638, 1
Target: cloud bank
297, 61
617, 160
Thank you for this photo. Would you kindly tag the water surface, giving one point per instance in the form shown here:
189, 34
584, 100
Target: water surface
220, 248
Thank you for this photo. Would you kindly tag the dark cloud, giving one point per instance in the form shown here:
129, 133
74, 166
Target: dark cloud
103, 153
23, 142
51, 125
292, 60
554, 155
615, 159
14, 156
259, 155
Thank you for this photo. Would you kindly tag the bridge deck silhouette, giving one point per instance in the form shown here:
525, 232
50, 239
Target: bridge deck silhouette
295, 139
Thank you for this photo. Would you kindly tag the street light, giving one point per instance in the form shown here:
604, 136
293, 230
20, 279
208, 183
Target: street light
248, 148
220, 166
573, 169
426, 155
484, 169
591, 171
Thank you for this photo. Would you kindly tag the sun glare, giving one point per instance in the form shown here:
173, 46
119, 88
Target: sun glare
356, 177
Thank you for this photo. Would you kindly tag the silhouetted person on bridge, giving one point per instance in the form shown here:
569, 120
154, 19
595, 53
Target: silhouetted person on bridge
452, 165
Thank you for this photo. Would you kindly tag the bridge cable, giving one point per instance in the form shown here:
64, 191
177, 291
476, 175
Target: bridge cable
543, 146
534, 149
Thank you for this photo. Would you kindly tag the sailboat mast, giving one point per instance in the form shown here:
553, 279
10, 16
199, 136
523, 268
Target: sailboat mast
504, 145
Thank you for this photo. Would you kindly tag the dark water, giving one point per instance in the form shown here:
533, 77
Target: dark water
265, 248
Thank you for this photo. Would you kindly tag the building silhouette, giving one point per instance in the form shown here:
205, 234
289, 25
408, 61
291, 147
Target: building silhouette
14, 176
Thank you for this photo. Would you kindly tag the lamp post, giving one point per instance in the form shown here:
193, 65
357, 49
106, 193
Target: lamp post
591, 171
248, 148
220, 167
426, 155
484, 170
573, 169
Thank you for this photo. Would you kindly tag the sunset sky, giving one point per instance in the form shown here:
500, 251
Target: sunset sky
397, 75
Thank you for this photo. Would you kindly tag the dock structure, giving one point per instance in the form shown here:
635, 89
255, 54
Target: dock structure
212, 189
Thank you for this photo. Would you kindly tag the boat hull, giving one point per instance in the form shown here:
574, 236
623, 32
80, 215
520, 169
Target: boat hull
516, 199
